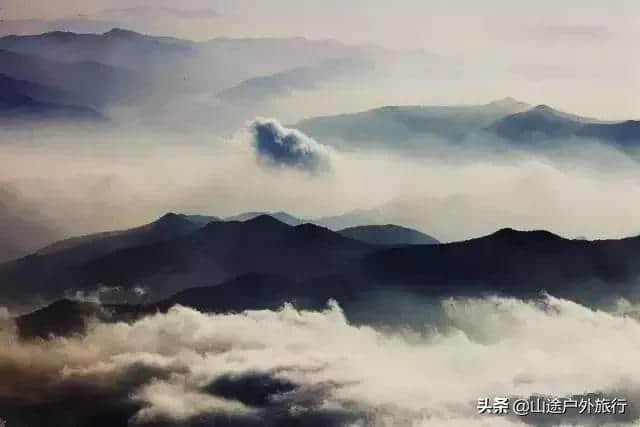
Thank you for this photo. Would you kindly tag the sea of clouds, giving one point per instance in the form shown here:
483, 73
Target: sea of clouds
184, 367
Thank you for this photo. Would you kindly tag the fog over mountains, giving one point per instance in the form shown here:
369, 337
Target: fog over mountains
258, 229
511, 121
232, 78
138, 71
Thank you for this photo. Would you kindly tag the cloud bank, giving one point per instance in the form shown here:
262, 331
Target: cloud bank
281, 146
465, 194
288, 366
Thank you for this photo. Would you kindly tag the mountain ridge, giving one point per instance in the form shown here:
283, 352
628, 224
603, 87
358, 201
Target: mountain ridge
388, 234
508, 262
542, 123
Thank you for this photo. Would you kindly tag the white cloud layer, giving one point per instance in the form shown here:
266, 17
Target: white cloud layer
484, 348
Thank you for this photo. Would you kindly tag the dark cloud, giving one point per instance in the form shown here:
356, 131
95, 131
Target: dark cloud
281, 146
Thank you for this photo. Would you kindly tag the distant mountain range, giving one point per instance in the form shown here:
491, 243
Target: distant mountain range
402, 125
544, 124
136, 69
417, 127
76, 83
20, 99
263, 88
238, 78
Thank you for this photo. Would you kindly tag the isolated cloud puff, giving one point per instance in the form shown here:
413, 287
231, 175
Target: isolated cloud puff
281, 146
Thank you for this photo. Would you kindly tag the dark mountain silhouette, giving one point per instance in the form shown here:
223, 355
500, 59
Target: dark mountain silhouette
263, 263
544, 123
223, 250
508, 262
519, 263
20, 99
51, 269
388, 234
253, 291
166, 227
175, 253
61, 318
67, 317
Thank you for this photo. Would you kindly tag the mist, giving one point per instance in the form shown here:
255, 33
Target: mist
454, 120
75, 183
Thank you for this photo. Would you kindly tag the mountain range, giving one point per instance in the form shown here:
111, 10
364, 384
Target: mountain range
137, 70
402, 125
262, 262
349, 224
543, 124
511, 121
21, 99
388, 235
228, 81
180, 250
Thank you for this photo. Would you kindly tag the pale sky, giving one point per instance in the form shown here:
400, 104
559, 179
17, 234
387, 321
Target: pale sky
548, 40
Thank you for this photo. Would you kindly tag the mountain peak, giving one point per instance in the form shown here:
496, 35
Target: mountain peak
172, 220
120, 32
170, 216
265, 220
388, 234
513, 235
280, 216
59, 34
